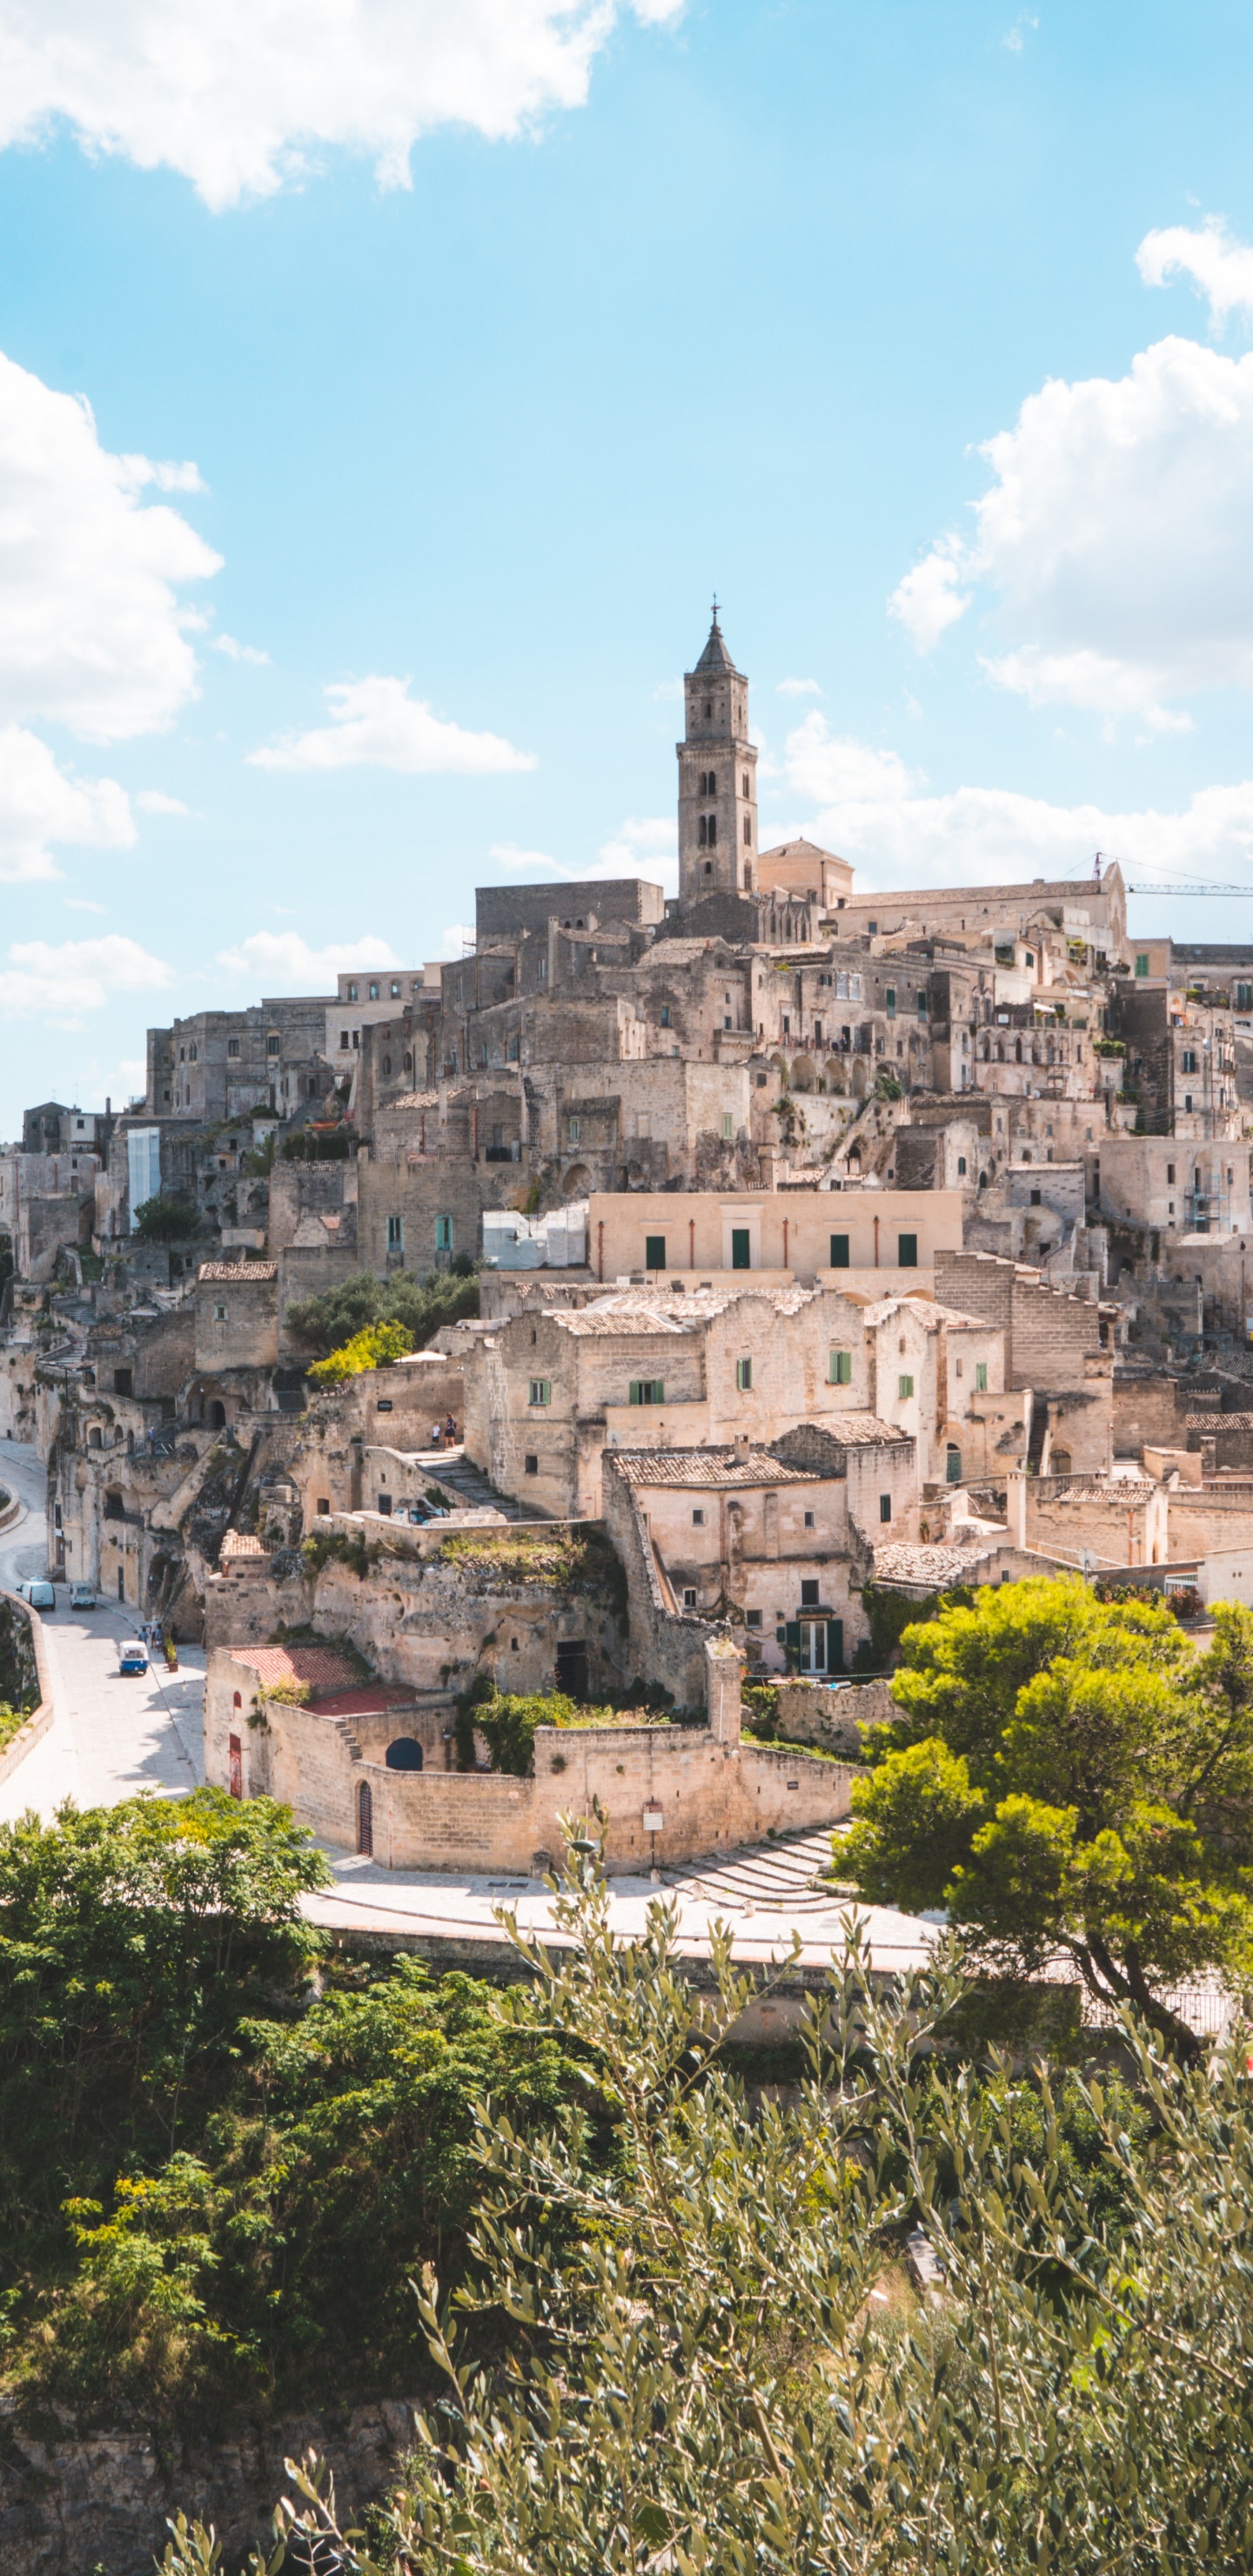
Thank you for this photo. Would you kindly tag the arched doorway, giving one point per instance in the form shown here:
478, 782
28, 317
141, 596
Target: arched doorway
952, 1464
365, 1820
217, 1414
404, 1753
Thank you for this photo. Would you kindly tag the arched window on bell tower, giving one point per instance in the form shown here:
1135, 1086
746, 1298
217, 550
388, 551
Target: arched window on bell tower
717, 805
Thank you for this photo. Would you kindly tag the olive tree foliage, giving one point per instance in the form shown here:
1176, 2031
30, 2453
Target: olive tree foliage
689, 2370
1070, 1779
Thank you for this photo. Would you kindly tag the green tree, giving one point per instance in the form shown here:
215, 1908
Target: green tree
371, 1349
706, 2374
165, 1219
326, 1323
1069, 1779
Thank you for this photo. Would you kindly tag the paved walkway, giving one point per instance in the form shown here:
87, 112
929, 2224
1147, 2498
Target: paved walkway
110, 1737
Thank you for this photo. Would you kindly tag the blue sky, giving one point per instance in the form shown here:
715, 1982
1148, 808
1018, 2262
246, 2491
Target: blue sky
735, 293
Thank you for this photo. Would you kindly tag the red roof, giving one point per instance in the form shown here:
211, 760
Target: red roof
320, 1666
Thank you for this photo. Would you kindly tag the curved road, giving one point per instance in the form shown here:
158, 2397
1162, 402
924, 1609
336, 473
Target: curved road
110, 1737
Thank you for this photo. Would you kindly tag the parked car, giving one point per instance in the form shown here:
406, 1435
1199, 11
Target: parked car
41, 1596
132, 1657
82, 1596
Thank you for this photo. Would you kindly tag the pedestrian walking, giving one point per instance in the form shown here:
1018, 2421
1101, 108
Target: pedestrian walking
437, 1437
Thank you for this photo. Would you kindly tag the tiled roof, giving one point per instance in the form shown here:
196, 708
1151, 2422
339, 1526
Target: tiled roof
412, 1100
903, 1562
849, 1430
698, 1469
235, 1544
320, 1666
643, 1310
1215, 1422
224, 1270
928, 1311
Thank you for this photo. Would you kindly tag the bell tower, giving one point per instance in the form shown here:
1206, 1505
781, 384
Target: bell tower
717, 780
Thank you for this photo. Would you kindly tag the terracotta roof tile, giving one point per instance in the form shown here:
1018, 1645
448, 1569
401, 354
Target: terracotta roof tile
320, 1666
224, 1270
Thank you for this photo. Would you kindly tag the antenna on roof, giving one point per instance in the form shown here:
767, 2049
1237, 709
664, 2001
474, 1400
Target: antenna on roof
1096, 867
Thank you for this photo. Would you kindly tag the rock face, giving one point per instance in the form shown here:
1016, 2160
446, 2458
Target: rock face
79, 2502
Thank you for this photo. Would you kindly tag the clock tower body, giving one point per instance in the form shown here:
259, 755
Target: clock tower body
717, 781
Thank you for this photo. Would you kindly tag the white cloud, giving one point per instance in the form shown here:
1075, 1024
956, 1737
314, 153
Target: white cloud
237, 652
932, 596
645, 845
457, 938
832, 768
79, 975
1023, 26
280, 961
155, 801
241, 96
1221, 268
376, 722
895, 835
81, 903
1116, 537
510, 856
40, 804
91, 632
798, 688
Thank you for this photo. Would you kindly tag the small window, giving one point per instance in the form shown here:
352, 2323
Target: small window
654, 1252
1035, 1198
961, 1167
385, 1404
811, 1520
573, 1131
385, 1506
907, 1252
395, 992
752, 1618
981, 1377
1244, 997
273, 1044
541, 1391
1188, 1060
324, 1506
665, 1015
689, 1597
889, 1001
1142, 965
839, 1252
530, 1464
219, 1314
647, 1390
698, 1520
443, 1234
395, 1233
232, 1046
922, 1006
744, 1376
839, 1368
885, 1507
353, 992
374, 993
728, 1127
809, 1592
344, 1041
904, 1387
748, 831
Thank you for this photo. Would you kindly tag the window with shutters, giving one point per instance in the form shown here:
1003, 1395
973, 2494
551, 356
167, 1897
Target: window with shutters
395, 1234
885, 1507
541, 1391
981, 1377
647, 1390
904, 1387
654, 1252
728, 1127
839, 1252
840, 1368
907, 1252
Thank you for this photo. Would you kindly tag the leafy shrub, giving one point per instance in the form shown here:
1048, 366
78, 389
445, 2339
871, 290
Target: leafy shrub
370, 1349
165, 1220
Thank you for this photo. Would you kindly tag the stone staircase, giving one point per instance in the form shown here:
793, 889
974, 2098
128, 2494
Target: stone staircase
467, 1487
763, 1877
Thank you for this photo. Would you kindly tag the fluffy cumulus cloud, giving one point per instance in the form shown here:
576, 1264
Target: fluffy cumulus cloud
376, 724
92, 634
246, 94
1114, 545
644, 846
1221, 269
280, 961
62, 981
865, 804
40, 805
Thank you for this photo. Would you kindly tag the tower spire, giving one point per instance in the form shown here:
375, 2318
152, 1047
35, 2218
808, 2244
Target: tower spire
717, 779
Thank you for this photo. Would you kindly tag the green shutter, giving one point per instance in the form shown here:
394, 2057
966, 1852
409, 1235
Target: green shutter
907, 1252
835, 1645
740, 1248
792, 1639
654, 1252
839, 1252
